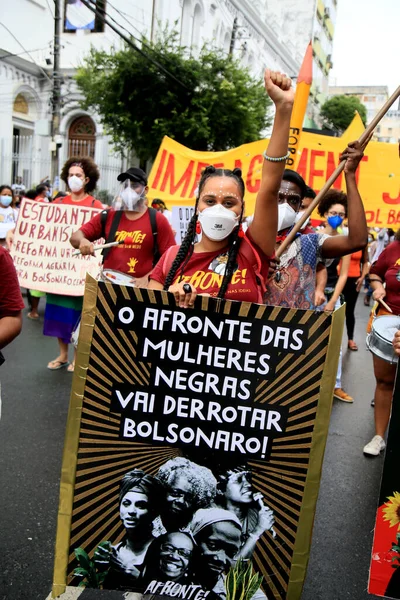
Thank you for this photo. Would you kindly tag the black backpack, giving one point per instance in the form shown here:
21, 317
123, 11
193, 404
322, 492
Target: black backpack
114, 226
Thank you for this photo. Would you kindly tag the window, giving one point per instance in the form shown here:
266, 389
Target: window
77, 16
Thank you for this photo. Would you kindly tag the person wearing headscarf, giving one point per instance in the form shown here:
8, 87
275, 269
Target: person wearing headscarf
139, 499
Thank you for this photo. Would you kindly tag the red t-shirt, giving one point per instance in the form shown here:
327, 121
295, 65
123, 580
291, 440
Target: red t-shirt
205, 272
89, 201
10, 295
387, 267
136, 258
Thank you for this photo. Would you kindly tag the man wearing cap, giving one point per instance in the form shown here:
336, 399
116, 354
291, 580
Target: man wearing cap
148, 231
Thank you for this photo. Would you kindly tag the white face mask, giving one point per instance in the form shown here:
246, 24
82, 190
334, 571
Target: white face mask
75, 184
286, 216
217, 222
131, 199
298, 217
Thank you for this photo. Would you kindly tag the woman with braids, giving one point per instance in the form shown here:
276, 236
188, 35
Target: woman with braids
225, 262
62, 312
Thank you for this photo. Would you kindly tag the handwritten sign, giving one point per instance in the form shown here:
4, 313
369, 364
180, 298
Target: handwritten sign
42, 252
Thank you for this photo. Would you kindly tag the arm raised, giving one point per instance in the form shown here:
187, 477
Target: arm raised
263, 228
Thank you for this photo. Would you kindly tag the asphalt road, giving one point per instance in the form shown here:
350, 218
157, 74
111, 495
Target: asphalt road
35, 405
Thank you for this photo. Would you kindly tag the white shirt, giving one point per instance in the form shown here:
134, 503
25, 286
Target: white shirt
8, 218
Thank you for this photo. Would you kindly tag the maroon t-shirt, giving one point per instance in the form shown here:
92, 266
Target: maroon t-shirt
136, 259
387, 267
204, 271
11, 301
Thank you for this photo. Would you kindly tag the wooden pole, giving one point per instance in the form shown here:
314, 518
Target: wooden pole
364, 139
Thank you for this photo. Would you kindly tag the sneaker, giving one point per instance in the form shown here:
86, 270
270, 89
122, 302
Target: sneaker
375, 446
342, 395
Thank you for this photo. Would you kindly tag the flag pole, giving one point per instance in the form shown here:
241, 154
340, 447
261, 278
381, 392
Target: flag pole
363, 139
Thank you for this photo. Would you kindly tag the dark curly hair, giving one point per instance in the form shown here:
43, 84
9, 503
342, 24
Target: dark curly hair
186, 250
88, 166
332, 197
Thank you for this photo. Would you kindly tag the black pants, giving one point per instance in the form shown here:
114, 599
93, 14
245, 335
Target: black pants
350, 295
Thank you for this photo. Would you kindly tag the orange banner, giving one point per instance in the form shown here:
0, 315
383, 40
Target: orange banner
177, 169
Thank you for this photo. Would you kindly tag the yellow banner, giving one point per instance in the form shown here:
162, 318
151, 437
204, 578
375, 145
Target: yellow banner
177, 169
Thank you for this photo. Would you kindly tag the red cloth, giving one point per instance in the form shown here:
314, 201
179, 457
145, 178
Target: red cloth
89, 201
307, 229
136, 258
387, 267
202, 271
11, 301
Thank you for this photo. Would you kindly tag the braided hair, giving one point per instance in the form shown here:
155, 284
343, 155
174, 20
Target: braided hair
186, 250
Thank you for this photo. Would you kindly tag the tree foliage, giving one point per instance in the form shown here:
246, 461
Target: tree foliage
219, 105
338, 112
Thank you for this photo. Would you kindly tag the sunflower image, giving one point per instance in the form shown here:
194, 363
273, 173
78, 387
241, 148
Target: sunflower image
392, 510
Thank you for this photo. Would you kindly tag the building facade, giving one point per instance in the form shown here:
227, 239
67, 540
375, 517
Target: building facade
257, 32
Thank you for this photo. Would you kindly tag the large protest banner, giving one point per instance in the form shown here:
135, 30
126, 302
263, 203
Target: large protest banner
225, 403
176, 171
41, 250
384, 577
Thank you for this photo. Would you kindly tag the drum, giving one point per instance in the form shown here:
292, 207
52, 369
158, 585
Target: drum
379, 341
117, 277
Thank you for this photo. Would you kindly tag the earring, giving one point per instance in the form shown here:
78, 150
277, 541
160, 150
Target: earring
198, 227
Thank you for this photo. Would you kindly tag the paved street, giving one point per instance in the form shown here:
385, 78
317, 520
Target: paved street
35, 404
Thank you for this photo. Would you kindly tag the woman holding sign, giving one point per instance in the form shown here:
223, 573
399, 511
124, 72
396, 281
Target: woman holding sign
225, 262
62, 312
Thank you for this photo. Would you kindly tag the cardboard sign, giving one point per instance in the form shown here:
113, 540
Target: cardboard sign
181, 216
384, 577
42, 252
191, 434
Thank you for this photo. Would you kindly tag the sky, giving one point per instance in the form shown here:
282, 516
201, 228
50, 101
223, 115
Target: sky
366, 49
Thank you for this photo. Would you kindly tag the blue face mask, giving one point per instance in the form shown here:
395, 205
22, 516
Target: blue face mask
335, 221
6, 200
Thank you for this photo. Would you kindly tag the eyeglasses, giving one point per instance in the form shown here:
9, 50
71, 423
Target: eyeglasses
293, 199
169, 549
333, 213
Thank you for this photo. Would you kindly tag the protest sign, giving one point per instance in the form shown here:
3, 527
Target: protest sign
384, 577
181, 216
42, 252
176, 172
176, 416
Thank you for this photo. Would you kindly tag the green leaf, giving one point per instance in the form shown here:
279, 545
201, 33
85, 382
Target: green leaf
83, 558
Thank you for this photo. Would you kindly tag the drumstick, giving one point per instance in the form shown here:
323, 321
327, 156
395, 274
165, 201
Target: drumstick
385, 305
127, 240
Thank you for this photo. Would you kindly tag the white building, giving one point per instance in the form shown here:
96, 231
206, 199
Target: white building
258, 32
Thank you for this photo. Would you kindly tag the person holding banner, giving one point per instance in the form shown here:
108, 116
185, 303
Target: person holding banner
226, 262
63, 312
385, 281
293, 283
149, 230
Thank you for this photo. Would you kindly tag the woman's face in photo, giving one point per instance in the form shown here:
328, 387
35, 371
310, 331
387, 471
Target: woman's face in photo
175, 554
221, 190
179, 496
238, 488
134, 510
